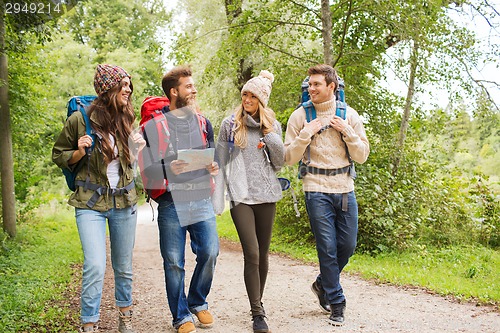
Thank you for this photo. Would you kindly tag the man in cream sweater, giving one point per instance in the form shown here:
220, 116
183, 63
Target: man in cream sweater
326, 146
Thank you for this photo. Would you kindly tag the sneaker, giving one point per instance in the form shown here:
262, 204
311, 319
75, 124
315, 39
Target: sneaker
337, 316
320, 294
89, 329
187, 327
205, 318
125, 322
259, 324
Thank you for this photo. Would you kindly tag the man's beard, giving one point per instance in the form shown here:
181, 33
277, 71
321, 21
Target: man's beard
186, 102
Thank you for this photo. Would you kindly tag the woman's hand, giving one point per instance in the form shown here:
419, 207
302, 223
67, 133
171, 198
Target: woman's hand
213, 168
138, 141
83, 143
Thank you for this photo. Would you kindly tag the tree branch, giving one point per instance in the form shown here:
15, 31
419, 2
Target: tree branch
284, 52
306, 8
344, 34
245, 24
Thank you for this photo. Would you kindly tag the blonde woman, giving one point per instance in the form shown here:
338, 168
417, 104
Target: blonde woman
250, 150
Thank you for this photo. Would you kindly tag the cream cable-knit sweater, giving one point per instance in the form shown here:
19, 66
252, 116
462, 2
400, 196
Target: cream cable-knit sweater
327, 149
250, 176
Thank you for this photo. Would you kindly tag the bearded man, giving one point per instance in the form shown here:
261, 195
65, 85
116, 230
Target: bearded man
186, 205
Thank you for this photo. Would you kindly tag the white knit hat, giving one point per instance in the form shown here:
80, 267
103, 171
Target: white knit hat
260, 86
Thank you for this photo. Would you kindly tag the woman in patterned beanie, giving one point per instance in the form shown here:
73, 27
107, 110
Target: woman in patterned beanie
105, 191
250, 151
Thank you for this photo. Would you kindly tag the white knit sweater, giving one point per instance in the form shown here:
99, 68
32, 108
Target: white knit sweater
327, 149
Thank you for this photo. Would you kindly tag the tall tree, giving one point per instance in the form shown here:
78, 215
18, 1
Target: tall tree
6, 159
19, 21
326, 32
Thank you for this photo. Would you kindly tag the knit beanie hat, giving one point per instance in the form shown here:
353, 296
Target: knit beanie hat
108, 76
260, 86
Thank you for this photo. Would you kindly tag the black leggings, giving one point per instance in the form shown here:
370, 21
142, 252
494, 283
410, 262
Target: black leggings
254, 224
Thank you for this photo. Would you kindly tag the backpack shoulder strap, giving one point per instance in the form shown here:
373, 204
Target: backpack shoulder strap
230, 141
310, 115
310, 110
341, 110
88, 127
202, 122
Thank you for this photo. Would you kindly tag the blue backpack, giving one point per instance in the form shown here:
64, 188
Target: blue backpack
79, 104
341, 111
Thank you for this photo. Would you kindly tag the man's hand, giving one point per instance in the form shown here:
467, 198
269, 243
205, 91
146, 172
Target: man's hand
213, 168
313, 126
338, 123
177, 166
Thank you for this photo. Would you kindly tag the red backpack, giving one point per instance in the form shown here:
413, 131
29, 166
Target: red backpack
151, 110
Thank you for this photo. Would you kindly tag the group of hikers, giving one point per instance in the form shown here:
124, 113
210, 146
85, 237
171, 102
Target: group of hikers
241, 167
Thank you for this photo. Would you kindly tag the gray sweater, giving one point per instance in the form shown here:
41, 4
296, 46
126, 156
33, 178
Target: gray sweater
247, 174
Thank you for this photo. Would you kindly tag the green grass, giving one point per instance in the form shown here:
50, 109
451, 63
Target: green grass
36, 270
465, 272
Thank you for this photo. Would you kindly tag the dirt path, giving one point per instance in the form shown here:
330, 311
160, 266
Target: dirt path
290, 305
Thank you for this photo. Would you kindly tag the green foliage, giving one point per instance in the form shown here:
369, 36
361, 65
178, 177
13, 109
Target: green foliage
421, 204
122, 33
118, 25
31, 114
487, 214
42, 78
35, 270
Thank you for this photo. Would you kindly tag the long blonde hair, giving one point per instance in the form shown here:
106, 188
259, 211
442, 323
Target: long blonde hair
266, 120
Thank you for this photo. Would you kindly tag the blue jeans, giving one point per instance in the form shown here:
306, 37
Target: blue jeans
92, 230
335, 232
204, 244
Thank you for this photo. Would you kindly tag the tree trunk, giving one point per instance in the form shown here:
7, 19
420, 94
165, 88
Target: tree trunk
326, 31
233, 11
6, 160
406, 115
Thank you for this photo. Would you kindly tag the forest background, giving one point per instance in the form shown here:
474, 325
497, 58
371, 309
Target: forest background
432, 180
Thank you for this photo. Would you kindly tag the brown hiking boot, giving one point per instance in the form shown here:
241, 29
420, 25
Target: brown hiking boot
205, 317
187, 327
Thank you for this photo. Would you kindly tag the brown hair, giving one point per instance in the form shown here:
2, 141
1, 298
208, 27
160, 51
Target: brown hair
111, 119
171, 79
327, 71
